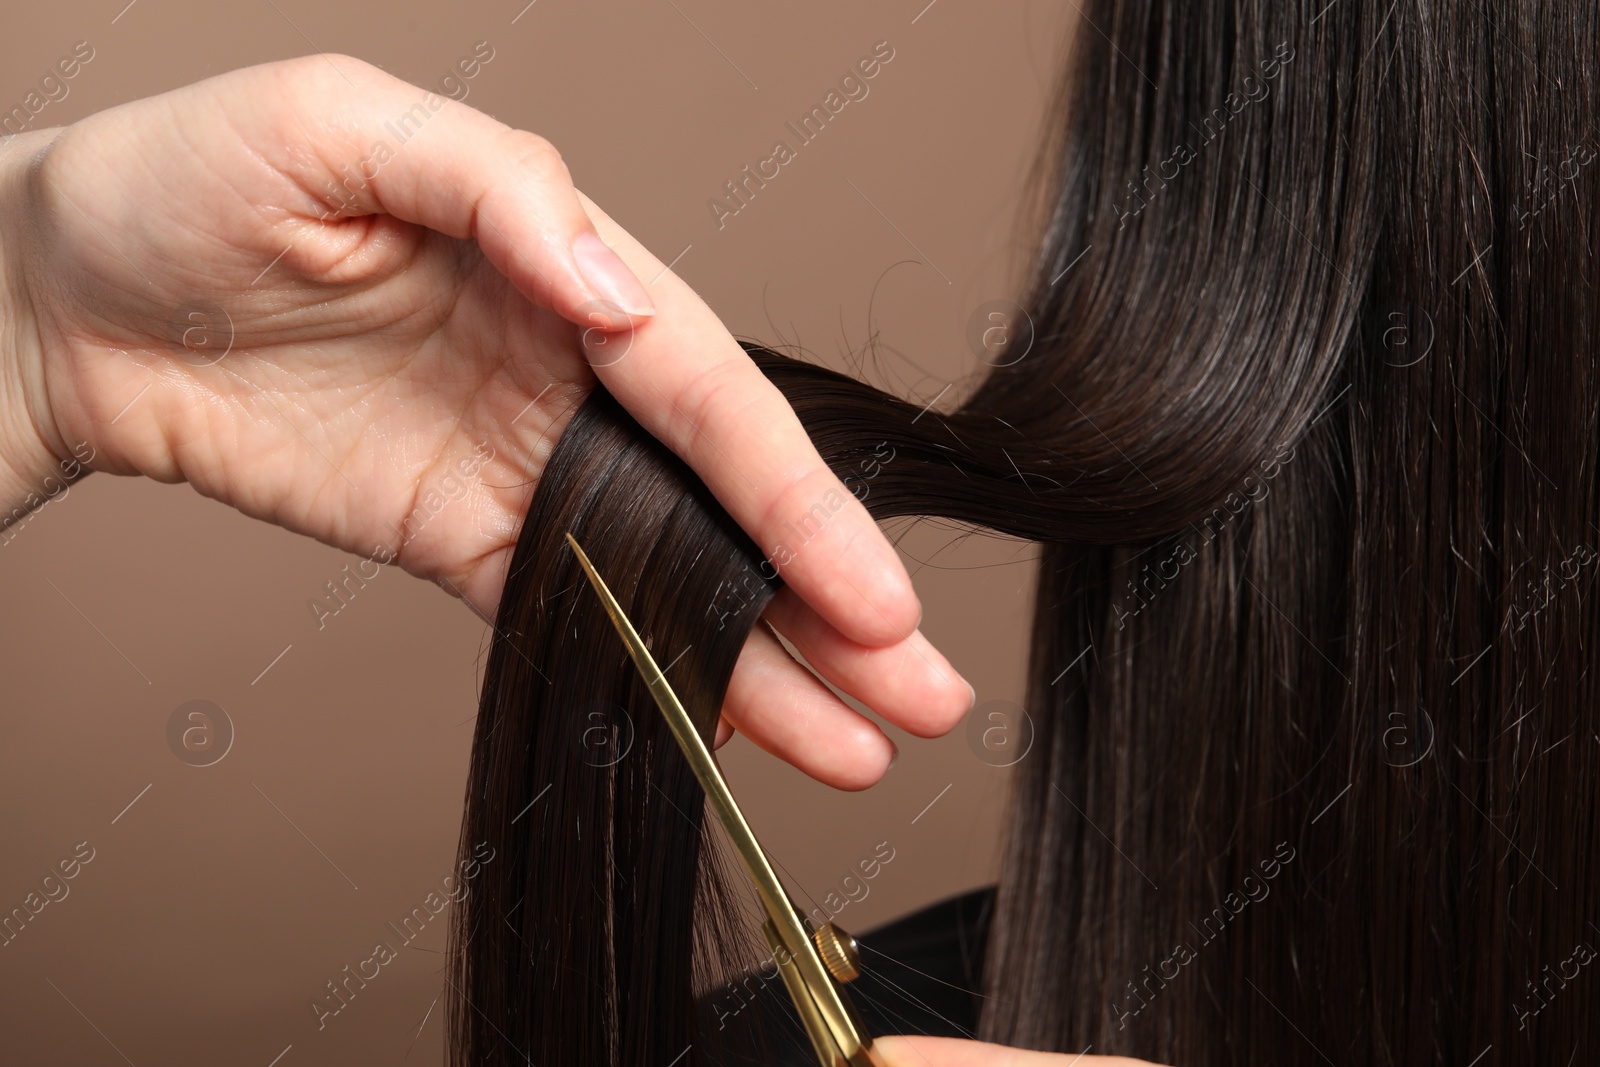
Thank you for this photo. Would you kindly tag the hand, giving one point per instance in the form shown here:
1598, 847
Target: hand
953, 1052
346, 306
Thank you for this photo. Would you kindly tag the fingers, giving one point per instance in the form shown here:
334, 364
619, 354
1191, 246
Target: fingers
690, 384
954, 1052
355, 141
908, 683
362, 143
785, 710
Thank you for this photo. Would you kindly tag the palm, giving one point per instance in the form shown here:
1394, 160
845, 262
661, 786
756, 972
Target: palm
379, 386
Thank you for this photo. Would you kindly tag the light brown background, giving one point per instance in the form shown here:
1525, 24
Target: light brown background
218, 905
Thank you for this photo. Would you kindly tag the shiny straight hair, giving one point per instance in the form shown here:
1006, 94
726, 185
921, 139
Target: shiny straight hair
1308, 436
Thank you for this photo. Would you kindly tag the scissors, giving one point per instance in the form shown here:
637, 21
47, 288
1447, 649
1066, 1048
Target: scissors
815, 966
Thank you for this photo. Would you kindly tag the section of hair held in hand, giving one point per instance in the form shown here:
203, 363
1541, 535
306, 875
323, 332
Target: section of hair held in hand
1307, 430
578, 947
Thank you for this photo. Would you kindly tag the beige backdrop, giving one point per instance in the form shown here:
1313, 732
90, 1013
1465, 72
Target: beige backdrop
220, 899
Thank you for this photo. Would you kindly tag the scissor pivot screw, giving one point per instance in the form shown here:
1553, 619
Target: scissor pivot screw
839, 953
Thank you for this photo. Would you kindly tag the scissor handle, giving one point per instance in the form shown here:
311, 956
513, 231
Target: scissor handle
829, 1054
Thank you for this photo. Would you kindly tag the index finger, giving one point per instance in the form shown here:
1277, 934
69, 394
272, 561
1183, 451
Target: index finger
687, 381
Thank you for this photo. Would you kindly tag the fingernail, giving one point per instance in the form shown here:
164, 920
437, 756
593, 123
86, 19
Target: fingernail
609, 277
973, 702
894, 757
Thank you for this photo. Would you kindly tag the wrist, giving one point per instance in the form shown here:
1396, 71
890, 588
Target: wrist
35, 464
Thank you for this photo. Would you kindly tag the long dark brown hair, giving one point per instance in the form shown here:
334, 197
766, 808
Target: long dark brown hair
1307, 430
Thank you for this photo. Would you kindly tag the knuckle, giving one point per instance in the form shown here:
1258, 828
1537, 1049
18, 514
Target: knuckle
795, 502
535, 153
713, 401
321, 84
318, 73
351, 65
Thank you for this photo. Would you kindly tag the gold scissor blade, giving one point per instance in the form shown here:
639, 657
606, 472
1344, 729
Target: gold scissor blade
850, 1044
677, 716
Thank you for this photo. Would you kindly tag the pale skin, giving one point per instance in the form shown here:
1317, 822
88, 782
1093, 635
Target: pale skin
225, 285
230, 285
953, 1052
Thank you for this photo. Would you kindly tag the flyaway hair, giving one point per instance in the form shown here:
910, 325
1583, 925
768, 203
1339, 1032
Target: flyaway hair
1307, 437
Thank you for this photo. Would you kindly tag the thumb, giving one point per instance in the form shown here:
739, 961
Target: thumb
953, 1052
363, 142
